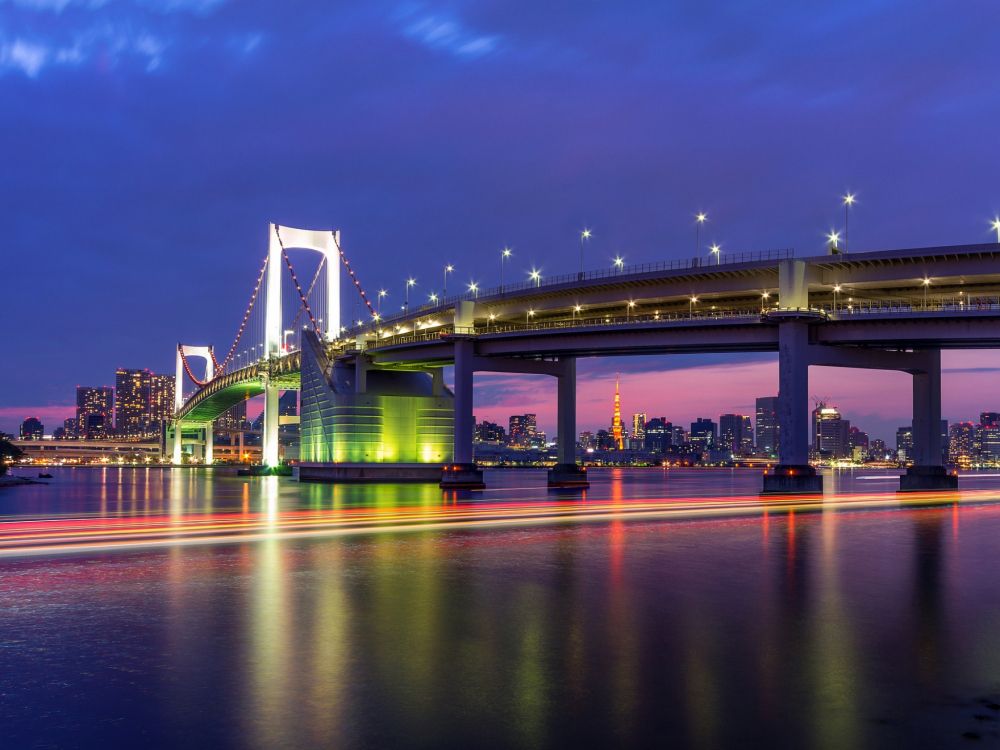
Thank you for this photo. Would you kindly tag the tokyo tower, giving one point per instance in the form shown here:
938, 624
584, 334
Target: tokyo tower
616, 423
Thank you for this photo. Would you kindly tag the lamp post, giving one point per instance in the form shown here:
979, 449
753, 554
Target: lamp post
692, 301
926, 283
836, 291
833, 238
528, 316
619, 263
848, 202
504, 255
489, 319
536, 276
717, 251
763, 300
996, 226
576, 310
584, 235
628, 310
381, 293
474, 288
699, 218
433, 298
406, 295
447, 269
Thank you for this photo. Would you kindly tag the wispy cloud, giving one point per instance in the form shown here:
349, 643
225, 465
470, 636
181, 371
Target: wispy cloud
443, 32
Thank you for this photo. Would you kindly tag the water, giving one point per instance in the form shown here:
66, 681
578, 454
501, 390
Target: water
826, 627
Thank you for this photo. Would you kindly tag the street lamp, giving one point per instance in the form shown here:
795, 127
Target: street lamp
447, 269
474, 288
433, 297
718, 254
490, 318
619, 263
763, 300
536, 276
406, 301
528, 316
381, 293
836, 291
996, 226
699, 218
584, 235
848, 202
628, 310
576, 310
692, 301
833, 238
926, 283
504, 255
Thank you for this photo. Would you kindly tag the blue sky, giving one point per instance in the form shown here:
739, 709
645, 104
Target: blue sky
146, 145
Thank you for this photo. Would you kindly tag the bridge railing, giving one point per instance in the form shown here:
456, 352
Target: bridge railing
890, 307
725, 259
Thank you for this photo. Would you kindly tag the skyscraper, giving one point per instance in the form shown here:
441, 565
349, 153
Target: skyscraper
989, 436
639, 426
31, 429
658, 434
161, 401
704, 434
830, 432
131, 402
767, 425
961, 443
735, 434
95, 408
616, 420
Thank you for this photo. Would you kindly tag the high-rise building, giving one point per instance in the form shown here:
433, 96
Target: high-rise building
904, 444
857, 444
877, 450
161, 401
989, 437
586, 439
766, 426
522, 430
32, 429
704, 434
961, 444
735, 434
95, 408
489, 432
830, 432
70, 428
616, 420
288, 406
658, 434
639, 426
144, 401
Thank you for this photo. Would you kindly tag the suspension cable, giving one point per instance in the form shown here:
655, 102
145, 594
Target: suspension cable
354, 278
219, 368
312, 284
298, 286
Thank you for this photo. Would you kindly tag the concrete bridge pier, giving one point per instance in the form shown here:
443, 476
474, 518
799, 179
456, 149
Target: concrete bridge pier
793, 475
462, 472
927, 472
208, 455
566, 472
269, 441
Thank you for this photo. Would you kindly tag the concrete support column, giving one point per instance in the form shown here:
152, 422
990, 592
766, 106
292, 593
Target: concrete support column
462, 473
360, 375
270, 438
209, 444
437, 381
927, 473
566, 416
178, 450
793, 475
566, 473
464, 427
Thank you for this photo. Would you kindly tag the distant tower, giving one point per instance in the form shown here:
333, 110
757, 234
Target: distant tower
616, 423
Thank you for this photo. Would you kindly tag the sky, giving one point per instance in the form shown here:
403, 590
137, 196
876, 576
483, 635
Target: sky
145, 145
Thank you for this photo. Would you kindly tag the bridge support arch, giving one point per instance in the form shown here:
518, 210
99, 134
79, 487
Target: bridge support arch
184, 352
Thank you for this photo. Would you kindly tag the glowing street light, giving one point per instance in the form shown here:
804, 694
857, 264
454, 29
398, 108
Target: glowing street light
536, 276
699, 218
848, 202
504, 255
584, 235
619, 263
718, 254
628, 309
489, 319
996, 225
433, 297
692, 301
764, 297
833, 238
836, 291
447, 269
406, 301
926, 283
474, 288
528, 316
577, 309
381, 293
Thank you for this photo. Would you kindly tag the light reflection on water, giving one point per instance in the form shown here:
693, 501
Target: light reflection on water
826, 630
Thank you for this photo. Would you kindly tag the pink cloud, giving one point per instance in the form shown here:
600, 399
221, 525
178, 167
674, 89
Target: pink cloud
52, 416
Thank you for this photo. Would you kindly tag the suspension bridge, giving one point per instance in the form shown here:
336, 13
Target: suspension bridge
374, 403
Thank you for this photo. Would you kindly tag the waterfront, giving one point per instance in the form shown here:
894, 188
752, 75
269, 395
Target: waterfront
680, 614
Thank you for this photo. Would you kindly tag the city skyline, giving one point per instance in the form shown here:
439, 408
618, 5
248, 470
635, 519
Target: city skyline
545, 179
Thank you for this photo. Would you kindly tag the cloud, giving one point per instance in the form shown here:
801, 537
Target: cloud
19, 54
51, 416
444, 33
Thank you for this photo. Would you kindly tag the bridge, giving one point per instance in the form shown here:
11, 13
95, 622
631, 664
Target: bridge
374, 401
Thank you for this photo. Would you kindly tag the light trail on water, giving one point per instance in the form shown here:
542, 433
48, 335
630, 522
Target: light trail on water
70, 534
